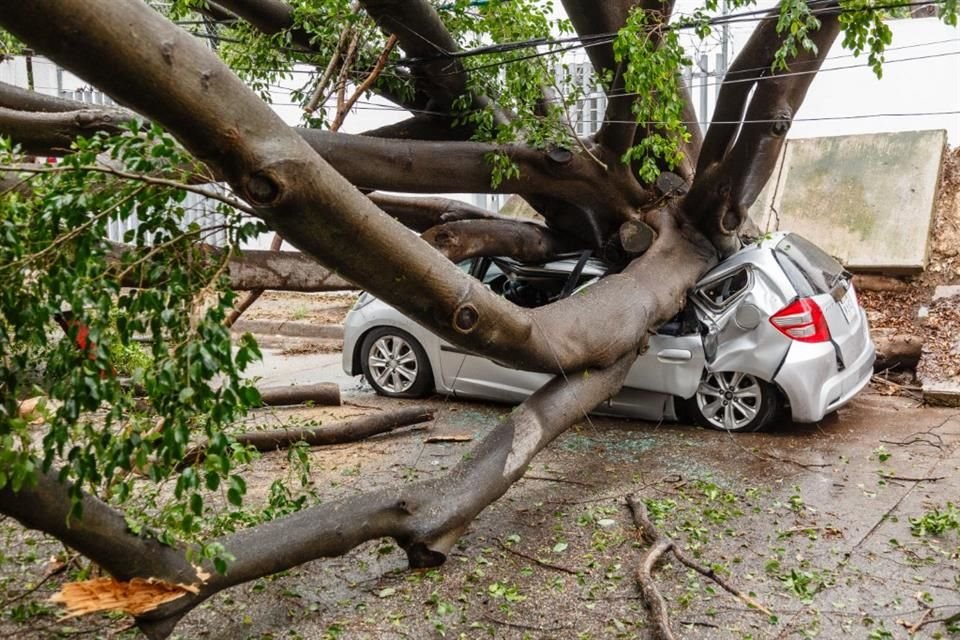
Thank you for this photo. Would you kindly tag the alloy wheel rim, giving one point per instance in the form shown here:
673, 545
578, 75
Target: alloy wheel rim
393, 364
729, 400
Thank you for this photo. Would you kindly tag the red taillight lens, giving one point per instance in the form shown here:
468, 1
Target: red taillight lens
802, 320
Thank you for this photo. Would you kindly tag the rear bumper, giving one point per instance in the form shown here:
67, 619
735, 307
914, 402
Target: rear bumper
812, 383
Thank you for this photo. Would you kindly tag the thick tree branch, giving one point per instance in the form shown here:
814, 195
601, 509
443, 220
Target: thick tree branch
422, 127
270, 17
724, 190
256, 269
590, 18
456, 167
13, 97
423, 213
101, 534
283, 271
425, 518
521, 240
619, 127
133, 56
52, 133
752, 63
422, 34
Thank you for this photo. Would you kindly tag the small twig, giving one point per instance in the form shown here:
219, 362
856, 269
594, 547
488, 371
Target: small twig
721, 582
697, 623
162, 182
906, 479
660, 545
366, 84
519, 625
43, 581
341, 85
883, 518
912, 629
537, 561
318, 92
877, 378
776, 458
917, 437
562, 480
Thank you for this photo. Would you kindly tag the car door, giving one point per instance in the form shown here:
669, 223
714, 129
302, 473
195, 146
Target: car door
671, 364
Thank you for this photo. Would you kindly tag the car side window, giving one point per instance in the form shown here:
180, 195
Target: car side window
719, 293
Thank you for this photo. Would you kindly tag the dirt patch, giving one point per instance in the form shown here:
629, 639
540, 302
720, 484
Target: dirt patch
301, 347
898, 311
319, 308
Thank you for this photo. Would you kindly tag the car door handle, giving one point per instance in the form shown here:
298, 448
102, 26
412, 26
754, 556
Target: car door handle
674, 355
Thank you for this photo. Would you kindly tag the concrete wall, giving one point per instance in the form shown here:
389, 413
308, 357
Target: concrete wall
866, 199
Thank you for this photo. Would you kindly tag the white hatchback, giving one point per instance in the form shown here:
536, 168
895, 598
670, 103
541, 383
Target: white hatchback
775, 327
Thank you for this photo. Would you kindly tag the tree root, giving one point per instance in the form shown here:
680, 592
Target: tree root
659, 546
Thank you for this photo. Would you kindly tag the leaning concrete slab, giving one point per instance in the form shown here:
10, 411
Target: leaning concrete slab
866, 199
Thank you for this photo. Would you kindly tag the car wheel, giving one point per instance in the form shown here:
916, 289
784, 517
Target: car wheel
733, 401
395, 364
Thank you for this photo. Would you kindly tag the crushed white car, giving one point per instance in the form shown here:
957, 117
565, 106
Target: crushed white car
774, 328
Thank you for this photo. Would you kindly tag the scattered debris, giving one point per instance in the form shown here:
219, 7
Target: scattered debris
939, 366
660, 545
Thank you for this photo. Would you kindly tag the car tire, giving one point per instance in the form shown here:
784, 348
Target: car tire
395, 364
732, 401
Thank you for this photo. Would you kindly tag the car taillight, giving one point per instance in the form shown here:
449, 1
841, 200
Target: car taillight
802, 320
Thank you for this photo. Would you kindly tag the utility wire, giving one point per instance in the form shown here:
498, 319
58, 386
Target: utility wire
577, 42
857, 116
795, 63
694, 85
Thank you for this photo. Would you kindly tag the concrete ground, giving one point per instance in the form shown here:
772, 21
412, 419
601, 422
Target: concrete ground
813, 519
842, 529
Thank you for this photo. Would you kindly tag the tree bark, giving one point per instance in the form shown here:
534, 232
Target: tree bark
325, 393
52, 133
423, 213
724, 189
270, 17
524, 241
896, 350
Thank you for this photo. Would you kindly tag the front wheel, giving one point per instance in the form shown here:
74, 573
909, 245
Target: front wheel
733, 401
395, 364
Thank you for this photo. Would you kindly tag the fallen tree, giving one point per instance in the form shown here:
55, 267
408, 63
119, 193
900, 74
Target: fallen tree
658, 200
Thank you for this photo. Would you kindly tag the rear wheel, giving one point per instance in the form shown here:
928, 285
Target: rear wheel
733, 401
395, 364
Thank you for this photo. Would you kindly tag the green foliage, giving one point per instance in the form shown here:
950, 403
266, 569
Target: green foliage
55, 257
653, 57
867, 31
936, 521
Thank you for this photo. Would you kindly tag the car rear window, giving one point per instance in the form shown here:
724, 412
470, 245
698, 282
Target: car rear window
810, 270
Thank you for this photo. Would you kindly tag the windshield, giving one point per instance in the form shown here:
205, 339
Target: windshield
810, 270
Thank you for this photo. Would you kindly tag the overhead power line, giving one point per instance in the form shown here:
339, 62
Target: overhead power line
817, 7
